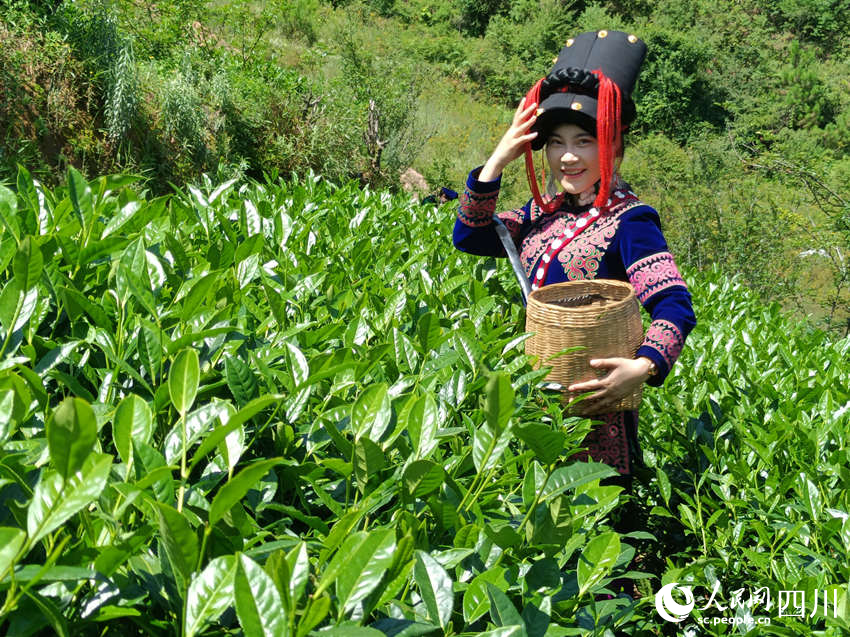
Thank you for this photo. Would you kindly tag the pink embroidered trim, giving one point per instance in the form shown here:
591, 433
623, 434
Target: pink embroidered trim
513, 221
654, 273
666, 339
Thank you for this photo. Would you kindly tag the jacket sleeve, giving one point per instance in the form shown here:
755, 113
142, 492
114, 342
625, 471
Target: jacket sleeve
659, 287
475, 231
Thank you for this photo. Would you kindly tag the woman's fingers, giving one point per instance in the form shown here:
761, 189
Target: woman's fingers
523, 114
590, 385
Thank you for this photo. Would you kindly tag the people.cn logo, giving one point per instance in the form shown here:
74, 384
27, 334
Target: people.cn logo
669, 608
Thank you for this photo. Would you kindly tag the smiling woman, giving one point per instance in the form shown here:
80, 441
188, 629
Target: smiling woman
589, 224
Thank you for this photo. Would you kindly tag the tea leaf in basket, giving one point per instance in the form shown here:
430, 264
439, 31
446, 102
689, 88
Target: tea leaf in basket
577, 301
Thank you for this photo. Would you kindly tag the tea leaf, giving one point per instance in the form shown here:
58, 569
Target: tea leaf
180, 542
502, 611
71, 434
421, 478
28, 264
371, 413
9, 212
56, 499
11, 541
499, 402
133, 421
476, 602
596, 560
240, 379
183, 380
420, 421
365, 561
210, 594
236, 488
258, 605
435, 586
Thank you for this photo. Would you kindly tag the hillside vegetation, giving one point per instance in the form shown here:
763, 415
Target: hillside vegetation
741, 142
276, 408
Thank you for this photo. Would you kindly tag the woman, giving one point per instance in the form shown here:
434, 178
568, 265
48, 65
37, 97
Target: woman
589, 225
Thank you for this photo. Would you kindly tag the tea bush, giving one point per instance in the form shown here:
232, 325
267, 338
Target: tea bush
287, 407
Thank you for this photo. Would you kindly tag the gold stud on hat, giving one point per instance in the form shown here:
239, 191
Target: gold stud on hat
570, 42
632, 38
576, 106
603, 33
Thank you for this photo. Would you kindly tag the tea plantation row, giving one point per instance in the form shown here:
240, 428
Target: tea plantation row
293, 408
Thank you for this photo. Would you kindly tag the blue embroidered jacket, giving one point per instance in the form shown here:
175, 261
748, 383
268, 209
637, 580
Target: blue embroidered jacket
625, 243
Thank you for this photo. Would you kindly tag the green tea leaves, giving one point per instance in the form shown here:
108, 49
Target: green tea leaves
371, 413
236, 488
258, 604
597, 559
133, 421
435, 586
28, 264
210, 594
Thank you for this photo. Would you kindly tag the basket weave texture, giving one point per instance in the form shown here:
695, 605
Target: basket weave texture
603, 328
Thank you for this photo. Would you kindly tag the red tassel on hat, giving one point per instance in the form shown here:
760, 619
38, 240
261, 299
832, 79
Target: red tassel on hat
608, 133
533, 97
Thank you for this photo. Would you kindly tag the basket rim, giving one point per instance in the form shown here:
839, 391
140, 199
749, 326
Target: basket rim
581, 309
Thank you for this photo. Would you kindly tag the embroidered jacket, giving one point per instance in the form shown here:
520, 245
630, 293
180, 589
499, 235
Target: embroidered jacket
625, 243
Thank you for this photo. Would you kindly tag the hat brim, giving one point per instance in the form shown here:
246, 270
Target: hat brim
572, 108
564, 108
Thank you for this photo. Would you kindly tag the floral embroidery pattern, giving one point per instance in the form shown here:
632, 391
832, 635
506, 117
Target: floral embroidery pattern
653, 274
666, 339
477, 210
513, 221
580, 259
607, 442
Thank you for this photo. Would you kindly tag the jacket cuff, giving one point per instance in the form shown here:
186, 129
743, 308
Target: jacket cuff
478, 202
662, 345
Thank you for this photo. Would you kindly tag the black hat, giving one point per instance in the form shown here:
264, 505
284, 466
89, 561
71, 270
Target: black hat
569, 93
590, 85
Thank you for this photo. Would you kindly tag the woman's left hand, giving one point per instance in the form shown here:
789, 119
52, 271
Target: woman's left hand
624, 377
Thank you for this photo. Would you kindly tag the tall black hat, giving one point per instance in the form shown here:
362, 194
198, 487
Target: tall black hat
590, 84
571, 89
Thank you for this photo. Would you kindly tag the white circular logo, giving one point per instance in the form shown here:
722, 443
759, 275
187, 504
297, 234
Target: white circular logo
668, 607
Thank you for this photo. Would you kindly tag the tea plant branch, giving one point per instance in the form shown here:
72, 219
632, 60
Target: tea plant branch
53, 553
12, 323
698, 508
537, 493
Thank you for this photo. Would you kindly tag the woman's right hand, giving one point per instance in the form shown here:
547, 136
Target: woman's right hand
512, 143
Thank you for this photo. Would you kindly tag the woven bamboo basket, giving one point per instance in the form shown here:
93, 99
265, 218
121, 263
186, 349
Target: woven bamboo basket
601, 316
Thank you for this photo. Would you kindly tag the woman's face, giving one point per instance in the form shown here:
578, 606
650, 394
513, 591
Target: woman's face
573, 157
